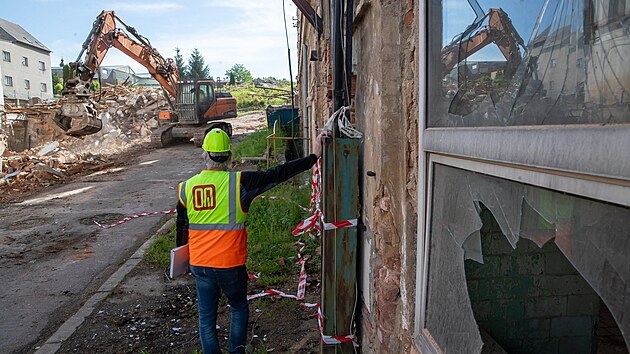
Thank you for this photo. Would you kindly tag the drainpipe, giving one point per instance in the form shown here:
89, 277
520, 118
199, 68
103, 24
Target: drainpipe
348, 57
336, 56
340, 194
305, 116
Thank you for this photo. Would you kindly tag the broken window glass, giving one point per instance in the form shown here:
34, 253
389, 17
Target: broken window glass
594, 236
535, 62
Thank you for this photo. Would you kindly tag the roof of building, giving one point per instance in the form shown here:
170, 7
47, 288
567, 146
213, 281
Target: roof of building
12, 32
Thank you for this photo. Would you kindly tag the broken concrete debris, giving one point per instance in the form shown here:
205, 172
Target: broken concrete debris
34, 151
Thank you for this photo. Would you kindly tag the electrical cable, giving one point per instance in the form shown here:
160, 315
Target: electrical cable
286, 34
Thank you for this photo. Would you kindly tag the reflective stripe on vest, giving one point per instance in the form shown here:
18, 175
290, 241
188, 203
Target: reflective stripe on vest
217, 236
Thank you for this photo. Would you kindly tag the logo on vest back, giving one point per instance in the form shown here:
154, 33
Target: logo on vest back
204, 197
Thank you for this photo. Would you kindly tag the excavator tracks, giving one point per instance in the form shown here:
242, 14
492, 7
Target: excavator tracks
162, 136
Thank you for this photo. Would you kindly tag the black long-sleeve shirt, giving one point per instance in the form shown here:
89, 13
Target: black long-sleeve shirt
253, 184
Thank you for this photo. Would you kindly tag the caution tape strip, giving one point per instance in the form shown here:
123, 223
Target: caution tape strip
130, 217
133, 217
340, 224
326, 339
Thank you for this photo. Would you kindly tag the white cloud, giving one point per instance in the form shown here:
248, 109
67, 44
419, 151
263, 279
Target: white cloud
155, 6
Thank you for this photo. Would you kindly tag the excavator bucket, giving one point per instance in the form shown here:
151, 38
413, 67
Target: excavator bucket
78, 118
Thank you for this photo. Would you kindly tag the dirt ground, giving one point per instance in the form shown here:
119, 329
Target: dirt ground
149, 313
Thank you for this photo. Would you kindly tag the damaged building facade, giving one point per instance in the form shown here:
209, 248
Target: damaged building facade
494, 178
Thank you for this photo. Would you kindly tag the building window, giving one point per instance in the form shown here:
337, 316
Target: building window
42, 66
27, 84
539, 41
6, 56
24, 61
8, 80
468, 172
43, 87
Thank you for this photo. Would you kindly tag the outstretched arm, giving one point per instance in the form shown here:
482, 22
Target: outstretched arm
255, 183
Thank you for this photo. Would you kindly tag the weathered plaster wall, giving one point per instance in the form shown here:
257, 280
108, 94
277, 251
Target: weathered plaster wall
385, 64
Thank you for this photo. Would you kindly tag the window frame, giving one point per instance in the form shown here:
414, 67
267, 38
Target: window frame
43, 87
8, 80
543, 156
25, 61
27, 84
42, 66
6, 56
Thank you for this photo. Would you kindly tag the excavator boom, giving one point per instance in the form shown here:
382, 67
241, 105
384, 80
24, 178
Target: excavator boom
77, 116
499, 31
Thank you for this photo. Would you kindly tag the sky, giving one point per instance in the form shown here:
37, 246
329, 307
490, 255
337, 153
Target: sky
226, 32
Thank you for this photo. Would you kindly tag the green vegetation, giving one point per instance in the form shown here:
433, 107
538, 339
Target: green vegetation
95, 85
239, 72
253, 146
251, 96
271, 247
57, 84
181, 65
159, 253
197, 68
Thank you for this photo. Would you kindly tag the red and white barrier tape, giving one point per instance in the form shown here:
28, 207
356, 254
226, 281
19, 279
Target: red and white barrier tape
311, 223
133, 217
326, 339
340, 224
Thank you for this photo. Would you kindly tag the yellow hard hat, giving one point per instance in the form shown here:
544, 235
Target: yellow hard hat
217, 141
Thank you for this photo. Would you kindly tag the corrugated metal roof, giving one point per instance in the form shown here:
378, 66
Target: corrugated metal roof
12, 32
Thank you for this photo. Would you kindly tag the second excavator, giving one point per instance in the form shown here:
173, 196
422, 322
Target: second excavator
195, 108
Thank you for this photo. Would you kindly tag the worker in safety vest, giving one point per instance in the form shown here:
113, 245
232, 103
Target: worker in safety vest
211, 216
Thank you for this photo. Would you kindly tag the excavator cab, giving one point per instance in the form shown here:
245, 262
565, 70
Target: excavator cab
197, 103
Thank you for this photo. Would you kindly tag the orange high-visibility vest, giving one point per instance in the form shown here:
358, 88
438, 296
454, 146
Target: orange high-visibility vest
216, 222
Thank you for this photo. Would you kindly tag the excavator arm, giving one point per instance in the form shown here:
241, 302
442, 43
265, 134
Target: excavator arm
499, 31
78, 116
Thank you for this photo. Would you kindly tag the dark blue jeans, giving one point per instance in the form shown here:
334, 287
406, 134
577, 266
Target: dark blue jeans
233, 283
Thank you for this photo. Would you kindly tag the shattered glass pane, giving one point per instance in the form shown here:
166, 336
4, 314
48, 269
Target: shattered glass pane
594, 236
535, 62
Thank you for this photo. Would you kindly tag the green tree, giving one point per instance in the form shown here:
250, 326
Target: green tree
58, 87
181, 65
197, 68
57, 84
239, 72
95, 85
66, 73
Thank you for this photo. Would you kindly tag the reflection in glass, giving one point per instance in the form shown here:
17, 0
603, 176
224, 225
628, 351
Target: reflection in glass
592, 237
535, 62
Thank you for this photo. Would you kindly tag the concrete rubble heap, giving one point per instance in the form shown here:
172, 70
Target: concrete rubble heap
129, 115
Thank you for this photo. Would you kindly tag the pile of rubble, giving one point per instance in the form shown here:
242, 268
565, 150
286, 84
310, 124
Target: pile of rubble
129, 114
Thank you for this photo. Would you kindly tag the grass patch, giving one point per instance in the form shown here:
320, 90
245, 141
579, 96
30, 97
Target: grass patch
254, 145
271, 247
159, 253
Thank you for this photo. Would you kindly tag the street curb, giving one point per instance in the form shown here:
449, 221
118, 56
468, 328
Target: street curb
54, 342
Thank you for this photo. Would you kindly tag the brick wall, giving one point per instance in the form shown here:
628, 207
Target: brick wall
530, 299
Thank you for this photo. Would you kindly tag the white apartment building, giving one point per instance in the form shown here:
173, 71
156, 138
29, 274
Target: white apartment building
24, 65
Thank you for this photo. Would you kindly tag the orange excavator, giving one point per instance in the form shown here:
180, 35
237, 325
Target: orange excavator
499, 31
196, 107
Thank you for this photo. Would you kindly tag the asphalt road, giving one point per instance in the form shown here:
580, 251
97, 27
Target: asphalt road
52, 257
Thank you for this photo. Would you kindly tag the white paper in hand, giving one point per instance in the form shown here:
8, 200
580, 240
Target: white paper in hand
179, 261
